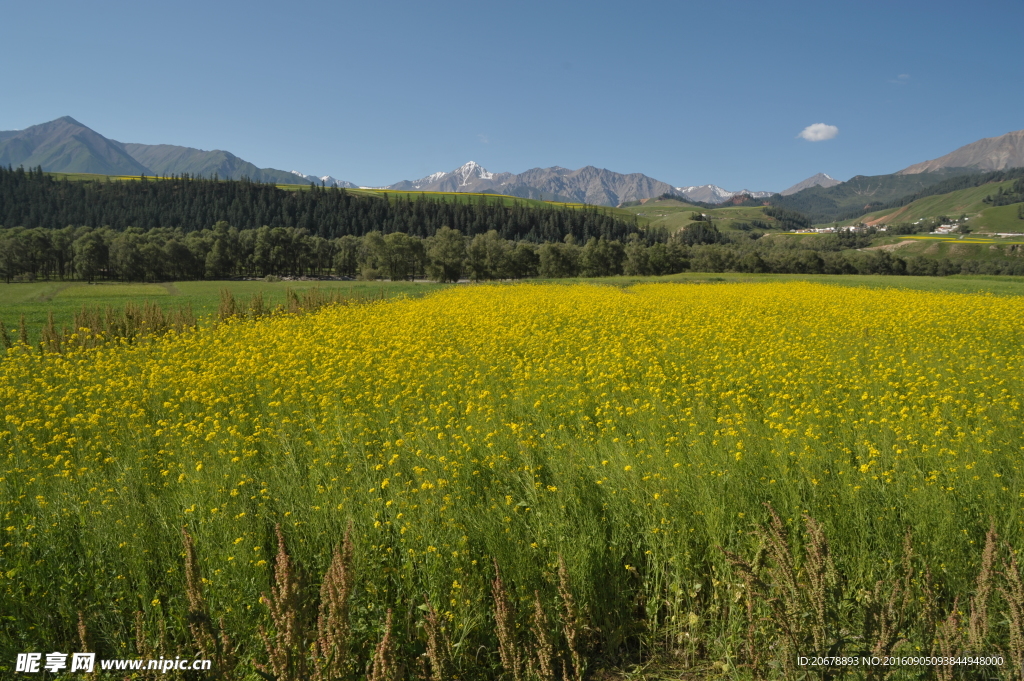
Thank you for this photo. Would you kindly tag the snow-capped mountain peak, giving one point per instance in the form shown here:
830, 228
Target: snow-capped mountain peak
711, 193
325, 180
472, 170
463, 176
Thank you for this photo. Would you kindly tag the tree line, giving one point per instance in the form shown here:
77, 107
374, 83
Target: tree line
34, 199
224, 251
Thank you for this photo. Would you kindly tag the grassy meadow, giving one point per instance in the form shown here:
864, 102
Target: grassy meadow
529, 482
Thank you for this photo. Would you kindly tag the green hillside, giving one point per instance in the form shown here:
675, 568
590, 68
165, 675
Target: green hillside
1002, 219
964, 201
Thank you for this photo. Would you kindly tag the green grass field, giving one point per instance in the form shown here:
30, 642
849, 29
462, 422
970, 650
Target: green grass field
37, 300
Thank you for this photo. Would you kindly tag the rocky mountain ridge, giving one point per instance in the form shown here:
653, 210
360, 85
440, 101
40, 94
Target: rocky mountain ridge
819, 180
991, 153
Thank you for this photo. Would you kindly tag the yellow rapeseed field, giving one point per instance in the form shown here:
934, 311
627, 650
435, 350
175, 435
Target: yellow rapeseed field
634, 432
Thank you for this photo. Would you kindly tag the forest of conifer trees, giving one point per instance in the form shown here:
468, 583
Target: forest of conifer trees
187, 229
34, 199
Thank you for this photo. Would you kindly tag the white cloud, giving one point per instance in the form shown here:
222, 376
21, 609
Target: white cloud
819, 132
901, 79
484, 139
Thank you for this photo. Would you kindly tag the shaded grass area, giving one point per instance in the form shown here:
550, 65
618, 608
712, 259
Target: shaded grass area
37, 300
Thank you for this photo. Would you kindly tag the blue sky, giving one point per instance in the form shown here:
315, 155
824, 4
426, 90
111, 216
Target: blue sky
376, 92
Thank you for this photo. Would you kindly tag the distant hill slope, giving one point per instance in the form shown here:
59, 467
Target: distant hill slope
969, 201
168, 159
819, 180
991, 153
65, 145
861, 194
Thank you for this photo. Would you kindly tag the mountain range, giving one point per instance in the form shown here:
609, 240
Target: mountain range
65, 145
585, 185
711, 193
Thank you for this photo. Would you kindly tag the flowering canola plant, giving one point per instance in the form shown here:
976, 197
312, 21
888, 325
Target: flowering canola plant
631, 431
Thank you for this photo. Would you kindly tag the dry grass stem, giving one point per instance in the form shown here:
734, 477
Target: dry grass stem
333, 630
505, 628
384, 666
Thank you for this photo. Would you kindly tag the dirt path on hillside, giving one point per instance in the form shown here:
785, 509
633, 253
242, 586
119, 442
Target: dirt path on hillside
886, 218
